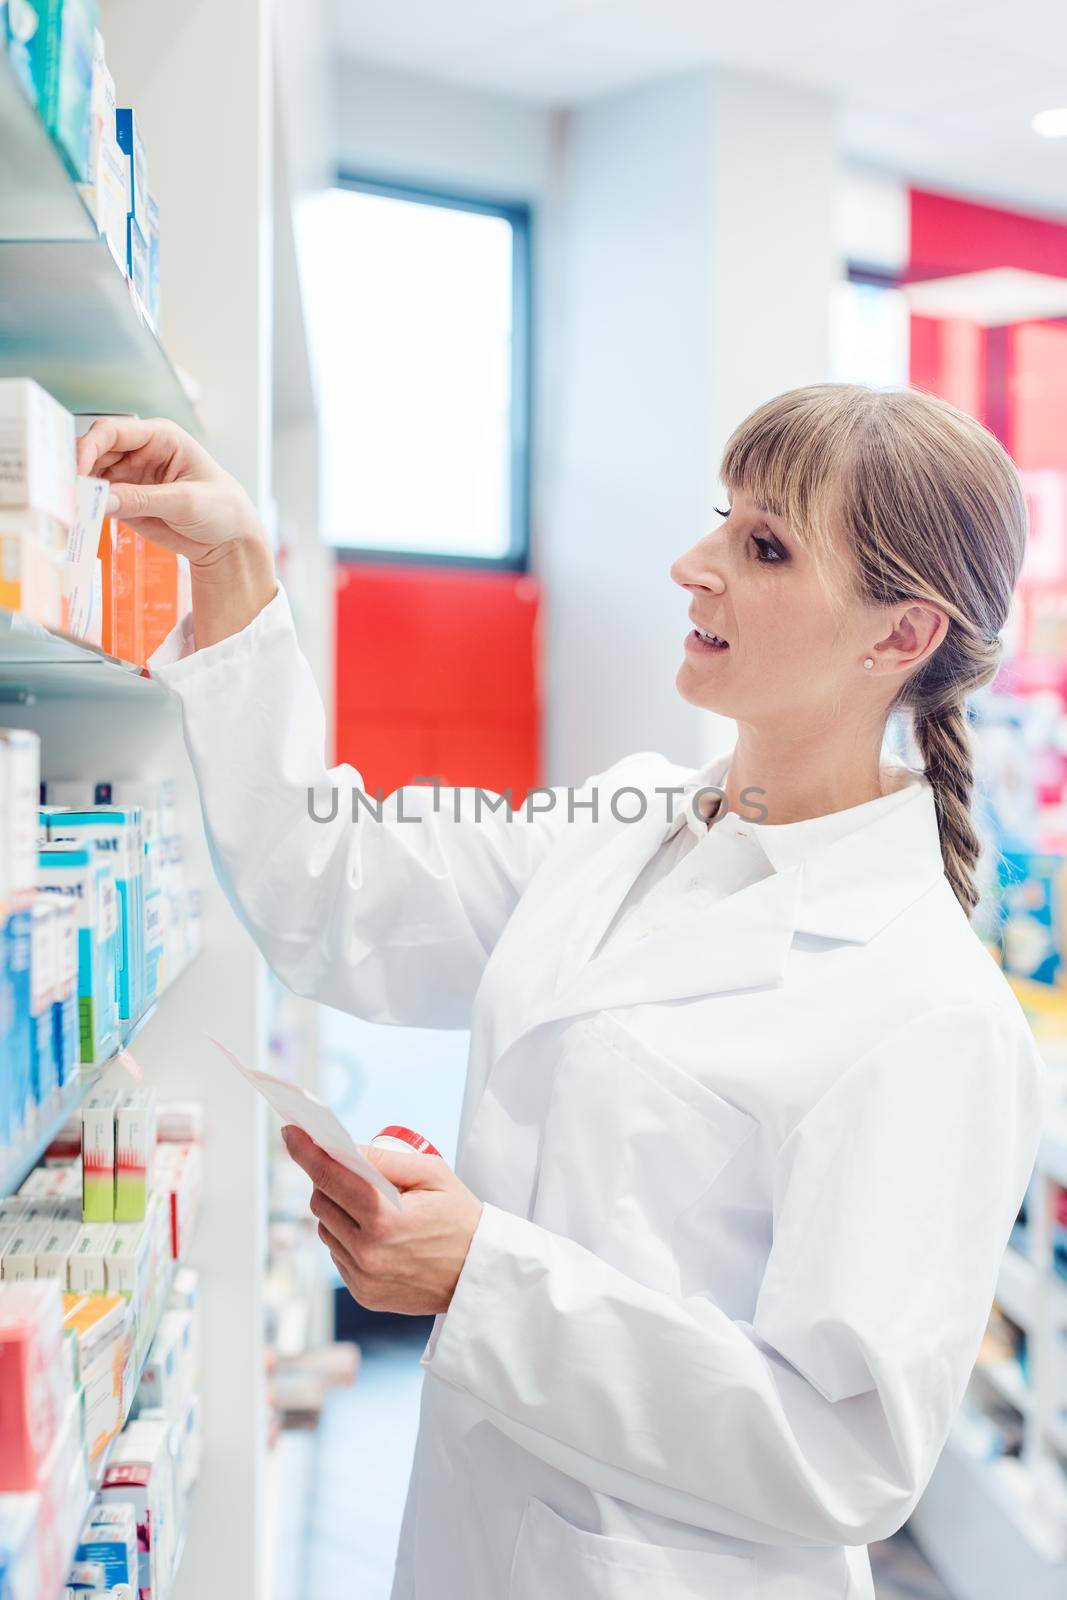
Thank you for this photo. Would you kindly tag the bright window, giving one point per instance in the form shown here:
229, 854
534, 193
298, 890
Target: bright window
869, 335
418, 312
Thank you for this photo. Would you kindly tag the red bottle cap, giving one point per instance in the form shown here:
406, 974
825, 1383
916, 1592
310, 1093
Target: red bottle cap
407, 1136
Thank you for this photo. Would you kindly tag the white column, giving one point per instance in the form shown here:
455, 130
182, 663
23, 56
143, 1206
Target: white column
696, 240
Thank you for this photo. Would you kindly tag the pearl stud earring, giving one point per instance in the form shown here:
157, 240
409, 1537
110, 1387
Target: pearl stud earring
869, 662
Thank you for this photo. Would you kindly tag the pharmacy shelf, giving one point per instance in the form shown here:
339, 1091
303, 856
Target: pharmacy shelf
996, 1527
68, 316
38, 200
1017, 1288
1007, 1379
1052, 1156
69, 319
43, 663
981, 1525
19, 1161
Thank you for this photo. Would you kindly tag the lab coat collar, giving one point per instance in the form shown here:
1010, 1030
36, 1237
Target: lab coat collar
855, 884
846, 891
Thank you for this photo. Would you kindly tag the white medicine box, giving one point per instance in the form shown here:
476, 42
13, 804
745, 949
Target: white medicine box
36, 452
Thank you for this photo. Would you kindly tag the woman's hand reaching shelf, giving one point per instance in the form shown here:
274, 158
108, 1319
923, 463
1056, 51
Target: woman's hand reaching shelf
168, 488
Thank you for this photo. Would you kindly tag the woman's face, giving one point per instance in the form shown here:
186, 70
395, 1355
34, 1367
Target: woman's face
785, 655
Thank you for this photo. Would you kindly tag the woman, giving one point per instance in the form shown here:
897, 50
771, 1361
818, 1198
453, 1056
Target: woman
750, 1110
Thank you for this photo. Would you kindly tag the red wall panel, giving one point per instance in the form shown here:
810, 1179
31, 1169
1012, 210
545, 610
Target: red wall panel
438, 676
950, 236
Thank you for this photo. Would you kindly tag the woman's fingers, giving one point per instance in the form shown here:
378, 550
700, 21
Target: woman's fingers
354, 1195
207, 514
110, 438
332, 1216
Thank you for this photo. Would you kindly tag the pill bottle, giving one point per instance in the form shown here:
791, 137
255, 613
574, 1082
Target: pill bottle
395, 1137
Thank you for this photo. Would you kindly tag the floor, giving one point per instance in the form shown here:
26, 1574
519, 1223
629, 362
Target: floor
358, 1469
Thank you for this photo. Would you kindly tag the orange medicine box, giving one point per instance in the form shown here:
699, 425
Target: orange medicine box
160, 595
122, 582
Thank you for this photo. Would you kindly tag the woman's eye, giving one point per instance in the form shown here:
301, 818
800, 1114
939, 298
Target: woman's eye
771, 553
720, 511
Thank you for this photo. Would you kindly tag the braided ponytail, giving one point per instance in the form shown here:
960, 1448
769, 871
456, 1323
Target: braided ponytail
929, 507
945, 746
936, 695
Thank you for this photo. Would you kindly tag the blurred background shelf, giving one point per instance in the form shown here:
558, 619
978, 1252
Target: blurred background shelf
1017, 1287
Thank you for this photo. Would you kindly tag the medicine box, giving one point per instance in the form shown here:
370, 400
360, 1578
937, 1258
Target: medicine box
154, 969
86, 1270
98, 1324
36, 451
65, 1003
105, 190
20, 755
44, 1073
128, 134
32, 1396
122, 580
152, 304
16, 1055
137, 259
98, 1328
109, 1541
53, 1251
135, 1145
117, 833
98, 1156
86, 878
31, 579
61, 55
132, 1262
140, 1470
19, 1261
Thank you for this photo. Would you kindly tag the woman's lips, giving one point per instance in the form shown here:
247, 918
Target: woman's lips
696, 641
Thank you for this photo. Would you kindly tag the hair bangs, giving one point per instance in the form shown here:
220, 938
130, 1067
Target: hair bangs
791, 456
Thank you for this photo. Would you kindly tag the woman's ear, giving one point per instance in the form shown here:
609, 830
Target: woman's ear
916, 630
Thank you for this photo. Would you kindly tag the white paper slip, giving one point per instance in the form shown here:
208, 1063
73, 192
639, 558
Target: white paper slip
83, 543
295, 1105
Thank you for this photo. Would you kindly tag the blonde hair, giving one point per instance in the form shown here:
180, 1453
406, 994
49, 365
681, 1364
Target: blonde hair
929, 507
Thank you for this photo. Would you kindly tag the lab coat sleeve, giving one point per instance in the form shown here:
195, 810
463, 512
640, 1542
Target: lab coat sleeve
822, 1420
388, 908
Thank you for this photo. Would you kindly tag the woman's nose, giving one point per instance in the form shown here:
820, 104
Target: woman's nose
698, 569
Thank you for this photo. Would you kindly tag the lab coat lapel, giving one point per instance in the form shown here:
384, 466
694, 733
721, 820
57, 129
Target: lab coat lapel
739, 942
845, 892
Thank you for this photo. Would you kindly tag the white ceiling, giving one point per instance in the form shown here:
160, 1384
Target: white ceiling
941, 91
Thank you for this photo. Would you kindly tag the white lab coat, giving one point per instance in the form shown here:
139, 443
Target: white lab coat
747, 1181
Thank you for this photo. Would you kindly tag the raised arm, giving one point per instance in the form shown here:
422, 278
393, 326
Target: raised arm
387, 910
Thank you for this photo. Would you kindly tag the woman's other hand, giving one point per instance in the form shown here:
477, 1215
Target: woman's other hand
168, 488
407, 1260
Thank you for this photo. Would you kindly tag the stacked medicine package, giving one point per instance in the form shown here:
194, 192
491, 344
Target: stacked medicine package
99, 1352
63, 561
115, 1528
57, 54
96, 920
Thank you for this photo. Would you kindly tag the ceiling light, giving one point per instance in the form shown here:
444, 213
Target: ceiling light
1051, 124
